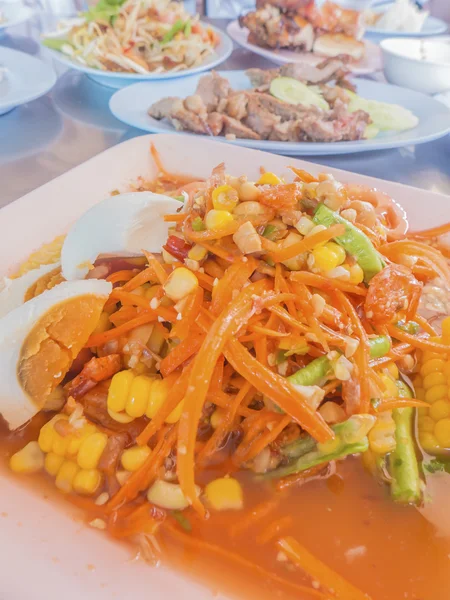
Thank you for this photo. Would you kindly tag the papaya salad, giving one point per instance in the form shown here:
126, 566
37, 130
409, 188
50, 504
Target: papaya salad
251, 377
135, 36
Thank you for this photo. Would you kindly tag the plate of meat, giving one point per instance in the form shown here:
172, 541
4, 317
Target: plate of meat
307, 34
294, 110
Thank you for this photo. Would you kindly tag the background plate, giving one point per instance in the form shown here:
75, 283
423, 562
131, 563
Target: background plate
15, 13
370, 63
117, 80
130, 105
26, 79
432, 26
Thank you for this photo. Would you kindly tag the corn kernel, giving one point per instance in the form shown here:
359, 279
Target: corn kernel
103, 323
157, 339
428, 441
133, 458
392, 369
433, 379
119, 390
439, 410
77, 438
296, 262
180, 283
138, 396
269, 178
431, 366
337, 250
224, 197
391, 390
168, 495
218, 219
53, 463
66, 475
197, 253
30, 459
442, 432
426, 424
91, 450
216, 418
428, 355
436, 393
87, 481
157, 398
60, 444
225, 493
248, 192
382, 438
46, 436
324, 258
120, 417
175, 415
446, 369
422, 411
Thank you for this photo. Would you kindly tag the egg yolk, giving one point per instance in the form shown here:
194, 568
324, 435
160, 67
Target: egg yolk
54, 342
44, 283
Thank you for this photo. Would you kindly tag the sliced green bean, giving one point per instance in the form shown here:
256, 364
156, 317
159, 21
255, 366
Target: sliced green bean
354, 241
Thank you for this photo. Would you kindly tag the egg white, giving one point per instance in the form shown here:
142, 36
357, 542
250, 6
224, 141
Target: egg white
124, 224
13, 291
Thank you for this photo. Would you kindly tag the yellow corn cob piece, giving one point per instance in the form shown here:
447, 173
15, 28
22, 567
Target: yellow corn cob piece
138, 395
218, 219
53, 463
181, 282
133, 458
382, 435
28, 460
66, 475
197, 252
91, 450
326, 258
87, 481
432, 385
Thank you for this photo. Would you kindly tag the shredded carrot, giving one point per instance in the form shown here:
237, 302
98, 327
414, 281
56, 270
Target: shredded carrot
143, 477
418, 341
124, 314
308, 243
300, 478
232, 282
319, 571
227, 324
234, 559
213, 269
124, 275
98, 339
144, 276
157, 267
274, 529
432, 232
213, 234
189, 313
259, 512
260, 345
205, 280
217, 250
262, 441
288, 398
426, 326
390, 403
181, 353
176, 218
327, 285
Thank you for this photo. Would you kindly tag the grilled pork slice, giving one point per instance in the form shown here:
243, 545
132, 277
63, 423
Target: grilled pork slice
235, 127
214, 91
187, 115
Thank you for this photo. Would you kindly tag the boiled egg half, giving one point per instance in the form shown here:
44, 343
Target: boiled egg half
39, 341
123, 225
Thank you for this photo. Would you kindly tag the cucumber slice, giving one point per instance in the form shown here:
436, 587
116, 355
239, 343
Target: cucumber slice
385, 117
292, 91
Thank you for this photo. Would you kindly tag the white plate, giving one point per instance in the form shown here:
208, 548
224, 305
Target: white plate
15, 14
118, 79
369, 64
432, 26
26, 78
130, 105
43, 545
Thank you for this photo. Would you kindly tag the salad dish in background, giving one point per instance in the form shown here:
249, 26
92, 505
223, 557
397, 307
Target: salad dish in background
235, 347
132, 39
402, 18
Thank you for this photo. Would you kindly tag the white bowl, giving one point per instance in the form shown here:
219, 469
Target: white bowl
419, 64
